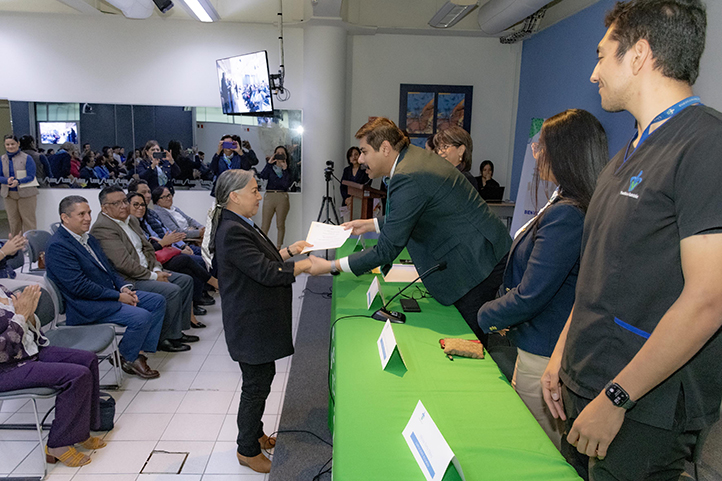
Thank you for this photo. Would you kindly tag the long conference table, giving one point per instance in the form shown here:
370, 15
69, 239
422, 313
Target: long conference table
485, 423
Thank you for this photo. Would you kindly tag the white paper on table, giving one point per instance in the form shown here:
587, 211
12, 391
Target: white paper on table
325, 236
402, 273
428, 445
386, 344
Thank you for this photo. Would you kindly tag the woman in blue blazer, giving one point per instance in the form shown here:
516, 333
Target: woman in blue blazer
541, 272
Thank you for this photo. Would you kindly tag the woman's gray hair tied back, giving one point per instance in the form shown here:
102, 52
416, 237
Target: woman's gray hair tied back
229, 181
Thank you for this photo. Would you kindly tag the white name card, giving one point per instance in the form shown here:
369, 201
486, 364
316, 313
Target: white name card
428, 445
387, 345
374, 290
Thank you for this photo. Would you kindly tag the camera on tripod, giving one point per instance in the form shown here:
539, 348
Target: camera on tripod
328, 171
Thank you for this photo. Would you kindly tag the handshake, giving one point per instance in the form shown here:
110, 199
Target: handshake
317, 266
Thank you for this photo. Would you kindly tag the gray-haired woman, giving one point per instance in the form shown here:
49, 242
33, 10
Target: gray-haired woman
256, 296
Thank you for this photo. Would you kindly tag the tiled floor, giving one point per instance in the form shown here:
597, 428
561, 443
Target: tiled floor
190, 408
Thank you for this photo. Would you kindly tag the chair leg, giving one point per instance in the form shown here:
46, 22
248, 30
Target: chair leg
116, 367
40, 438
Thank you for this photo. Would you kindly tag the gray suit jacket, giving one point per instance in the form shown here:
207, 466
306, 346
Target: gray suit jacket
119, 249
435, 213
193, 230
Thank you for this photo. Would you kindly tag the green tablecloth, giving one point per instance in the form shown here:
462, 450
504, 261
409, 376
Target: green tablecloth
491, 432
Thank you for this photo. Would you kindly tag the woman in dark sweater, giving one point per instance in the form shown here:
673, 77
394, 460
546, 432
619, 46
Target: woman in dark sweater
353, 173
455, 145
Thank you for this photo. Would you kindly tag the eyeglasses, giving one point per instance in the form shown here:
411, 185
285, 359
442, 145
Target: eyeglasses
118, 203
136, 205
443, 148
536, 149
165, 196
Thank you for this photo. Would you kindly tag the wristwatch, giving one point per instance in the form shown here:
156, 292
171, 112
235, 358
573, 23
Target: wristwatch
618, 396
334, 270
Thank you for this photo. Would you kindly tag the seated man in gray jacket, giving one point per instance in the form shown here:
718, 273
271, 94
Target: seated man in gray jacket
125, 245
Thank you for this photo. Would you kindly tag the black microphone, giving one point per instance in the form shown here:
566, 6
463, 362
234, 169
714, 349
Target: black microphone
384, 315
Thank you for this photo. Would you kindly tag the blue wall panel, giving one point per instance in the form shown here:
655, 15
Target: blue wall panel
555, 69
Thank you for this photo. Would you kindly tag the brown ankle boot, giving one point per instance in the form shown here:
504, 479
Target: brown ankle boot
259, 463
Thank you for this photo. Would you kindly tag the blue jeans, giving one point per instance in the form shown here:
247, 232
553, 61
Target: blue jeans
143, 324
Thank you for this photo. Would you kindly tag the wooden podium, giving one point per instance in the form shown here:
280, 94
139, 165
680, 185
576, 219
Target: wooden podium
366, 194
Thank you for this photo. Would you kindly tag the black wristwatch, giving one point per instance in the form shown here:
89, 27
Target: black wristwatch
618, 396
334, 271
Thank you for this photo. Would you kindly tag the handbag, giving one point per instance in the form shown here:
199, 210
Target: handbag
107, 411
167, 253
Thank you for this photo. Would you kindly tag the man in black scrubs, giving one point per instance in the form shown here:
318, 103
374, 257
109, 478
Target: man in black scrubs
636, 370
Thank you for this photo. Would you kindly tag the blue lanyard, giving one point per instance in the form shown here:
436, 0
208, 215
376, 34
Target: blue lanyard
667, 114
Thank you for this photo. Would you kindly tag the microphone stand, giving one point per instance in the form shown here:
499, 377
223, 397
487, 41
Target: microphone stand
395, 317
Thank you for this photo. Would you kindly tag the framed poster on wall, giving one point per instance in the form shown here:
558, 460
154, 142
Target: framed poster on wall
426, 109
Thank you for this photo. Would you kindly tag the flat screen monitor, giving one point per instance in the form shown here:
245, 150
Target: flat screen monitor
58, 132
245, 84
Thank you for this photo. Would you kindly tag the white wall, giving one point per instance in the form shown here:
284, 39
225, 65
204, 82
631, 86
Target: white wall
708, 84
381, 63
110, 59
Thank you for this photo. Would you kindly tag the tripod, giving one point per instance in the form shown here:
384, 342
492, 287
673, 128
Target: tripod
328, 200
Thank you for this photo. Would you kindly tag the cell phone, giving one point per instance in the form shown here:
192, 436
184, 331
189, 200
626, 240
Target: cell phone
159, 155
279, 157
410, 305
229, 145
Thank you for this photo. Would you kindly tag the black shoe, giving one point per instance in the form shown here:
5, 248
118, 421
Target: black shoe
198, 325
187, 338
173, 345
199, 311
204, 301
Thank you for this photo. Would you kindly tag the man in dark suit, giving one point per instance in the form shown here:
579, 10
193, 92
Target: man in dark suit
435, 213
125, 245
95, 293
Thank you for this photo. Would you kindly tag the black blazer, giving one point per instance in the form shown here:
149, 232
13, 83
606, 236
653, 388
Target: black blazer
256, 293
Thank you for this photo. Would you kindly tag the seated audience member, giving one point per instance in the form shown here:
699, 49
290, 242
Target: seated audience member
27, 361
541, 272
235, 154
275, 200
10, 248
184, 163
172, 217
74, 165
42, 167
175, 258
155, 171
124, 243
485, 181
353, 172
49, 154
455, 145
95, 293
102, 168
87, 170
60, 161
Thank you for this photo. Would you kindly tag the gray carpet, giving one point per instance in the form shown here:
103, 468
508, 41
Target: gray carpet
299, 455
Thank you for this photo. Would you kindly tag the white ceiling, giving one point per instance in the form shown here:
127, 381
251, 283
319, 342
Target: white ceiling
390, 16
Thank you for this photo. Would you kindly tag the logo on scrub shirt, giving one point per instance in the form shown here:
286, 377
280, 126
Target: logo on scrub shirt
635, 181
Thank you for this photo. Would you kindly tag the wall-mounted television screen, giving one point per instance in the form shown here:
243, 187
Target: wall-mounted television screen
58, 132
245, 84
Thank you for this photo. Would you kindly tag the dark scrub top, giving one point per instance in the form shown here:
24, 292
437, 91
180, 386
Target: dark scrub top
631, 274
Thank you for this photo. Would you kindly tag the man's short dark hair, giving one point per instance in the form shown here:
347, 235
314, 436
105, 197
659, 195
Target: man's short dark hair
675, 30
67, 205
133, 184
379, 129
109, 190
